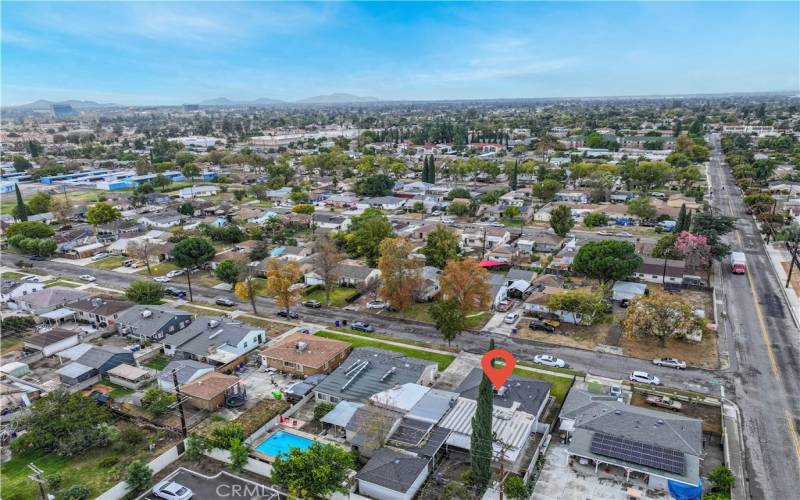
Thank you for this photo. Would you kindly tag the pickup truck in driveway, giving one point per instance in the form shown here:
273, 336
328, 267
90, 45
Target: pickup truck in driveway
664, 402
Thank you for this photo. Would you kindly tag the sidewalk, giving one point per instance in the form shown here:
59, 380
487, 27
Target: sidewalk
734, 449
776, 257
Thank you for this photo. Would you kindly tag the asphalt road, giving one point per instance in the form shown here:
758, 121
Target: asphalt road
763, 338
606, 365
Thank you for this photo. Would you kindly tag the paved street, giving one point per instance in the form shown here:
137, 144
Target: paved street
765, 363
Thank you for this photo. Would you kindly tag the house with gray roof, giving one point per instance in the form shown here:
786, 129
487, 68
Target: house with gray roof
11, 290
152, 322
100, 310
368, 371
660, 447
216, 341
527, 394
49, 299
392, 475
187, 371
95, 362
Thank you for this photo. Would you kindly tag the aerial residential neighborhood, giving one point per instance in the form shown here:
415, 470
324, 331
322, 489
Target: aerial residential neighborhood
294, 297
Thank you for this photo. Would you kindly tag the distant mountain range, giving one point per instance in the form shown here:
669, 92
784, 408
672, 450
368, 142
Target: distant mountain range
43, 104
338, 98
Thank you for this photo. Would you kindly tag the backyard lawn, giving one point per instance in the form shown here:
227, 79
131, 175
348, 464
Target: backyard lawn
443, 360
108, 263
97, 469
339, 296
158, 363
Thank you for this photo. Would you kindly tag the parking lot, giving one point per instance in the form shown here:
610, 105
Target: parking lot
222, 485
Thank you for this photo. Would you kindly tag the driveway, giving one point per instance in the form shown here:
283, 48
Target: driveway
222, 485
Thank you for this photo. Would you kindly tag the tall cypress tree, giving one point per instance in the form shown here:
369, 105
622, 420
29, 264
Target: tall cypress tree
432, 172
425, 170
680, 224
512, 179
22, 208
687, 226
481, 440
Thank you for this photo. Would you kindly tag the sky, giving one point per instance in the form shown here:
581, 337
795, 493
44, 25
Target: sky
139, 53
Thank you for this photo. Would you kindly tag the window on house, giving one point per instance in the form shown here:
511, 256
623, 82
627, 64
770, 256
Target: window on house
655, 276
289, 364
171, 328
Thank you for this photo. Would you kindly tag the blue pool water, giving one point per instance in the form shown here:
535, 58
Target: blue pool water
282, 442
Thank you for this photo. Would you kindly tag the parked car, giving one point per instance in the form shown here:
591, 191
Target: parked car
362, 327
511, 318
87, 277
644, 378
171, 290
664, 402
65, 227
547, 360
101, 255
377, 304
504, 305
170, 490
537, 324
314, 304
175, 273
615, 391
670, 363
32, 279
283, 313
224, 301
162, 279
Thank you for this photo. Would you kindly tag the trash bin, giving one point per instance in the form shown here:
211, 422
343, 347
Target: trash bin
336, 322
514, 330
344, 322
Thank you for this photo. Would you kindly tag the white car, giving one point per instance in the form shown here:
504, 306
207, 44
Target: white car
605, 233
162, 279
172, 491
625, 234
32, 279
644, 378
377, 304
101, 255
175, 273
447, 220
511, 318
670, 363
547, 360
87, 277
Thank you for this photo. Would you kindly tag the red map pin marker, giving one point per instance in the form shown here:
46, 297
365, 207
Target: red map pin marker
498, 374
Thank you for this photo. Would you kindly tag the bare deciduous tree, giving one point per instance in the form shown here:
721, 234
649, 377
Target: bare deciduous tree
326, 264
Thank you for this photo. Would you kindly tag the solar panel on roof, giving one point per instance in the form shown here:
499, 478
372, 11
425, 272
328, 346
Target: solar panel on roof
665, 459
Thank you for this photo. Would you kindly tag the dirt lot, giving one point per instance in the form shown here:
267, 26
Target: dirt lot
567, 335
701, 355
710, 415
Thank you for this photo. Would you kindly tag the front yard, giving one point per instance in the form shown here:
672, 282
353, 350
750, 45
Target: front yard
420, 311
340, 296
159, 269
108, 263
443, 360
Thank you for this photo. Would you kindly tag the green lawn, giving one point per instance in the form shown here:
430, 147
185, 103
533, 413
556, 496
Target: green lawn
420, 311
160, 269
560, 385
443, 360
11, 275
159, 362
339, 296
10, 343
92, 469
108, 263
203, 311
64, 283
476, 321
378, 336
119, 390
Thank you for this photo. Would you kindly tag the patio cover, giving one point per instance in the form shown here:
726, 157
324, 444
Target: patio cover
58, 314
342, 413
492, 263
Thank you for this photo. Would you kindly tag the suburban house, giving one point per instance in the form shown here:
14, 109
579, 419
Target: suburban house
129, 376
384, 202
473, 236
51, 341
392, 474
301, 354
540, 241
152, 322
352, 275
331, 222
518, 406
186, 370
678, 200
429, 286
210, 391
49, 299
93, 364
572, 197
627, 290
162, 221
666, 271
341, 201
11, 290
190, 192
600, 429
215, 341
101, 310
369, 370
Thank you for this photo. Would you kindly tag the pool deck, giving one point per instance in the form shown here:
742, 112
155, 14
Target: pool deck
289, 430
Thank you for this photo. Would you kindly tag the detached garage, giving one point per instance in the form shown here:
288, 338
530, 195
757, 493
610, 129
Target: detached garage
52, 341
392, 475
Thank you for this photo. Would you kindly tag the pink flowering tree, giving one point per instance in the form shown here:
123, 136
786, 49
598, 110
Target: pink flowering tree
695, 249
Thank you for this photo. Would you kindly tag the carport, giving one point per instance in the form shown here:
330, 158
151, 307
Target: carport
58, 316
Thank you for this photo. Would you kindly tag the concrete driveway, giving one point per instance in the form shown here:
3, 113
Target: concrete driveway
223, 485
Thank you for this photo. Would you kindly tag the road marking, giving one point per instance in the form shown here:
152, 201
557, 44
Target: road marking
793, 433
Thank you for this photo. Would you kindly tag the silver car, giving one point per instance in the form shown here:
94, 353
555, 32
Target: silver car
670, 363
171, 490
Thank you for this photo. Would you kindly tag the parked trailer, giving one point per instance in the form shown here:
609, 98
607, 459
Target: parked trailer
738, 263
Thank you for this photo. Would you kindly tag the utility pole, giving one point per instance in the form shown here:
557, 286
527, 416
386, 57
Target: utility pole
793, 253
179, 399
36, 477
483, 243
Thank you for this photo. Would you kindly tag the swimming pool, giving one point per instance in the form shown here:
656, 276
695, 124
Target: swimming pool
282, 442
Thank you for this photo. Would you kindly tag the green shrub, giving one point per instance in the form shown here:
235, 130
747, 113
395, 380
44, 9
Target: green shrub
53, 481
322, 409
74, 492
